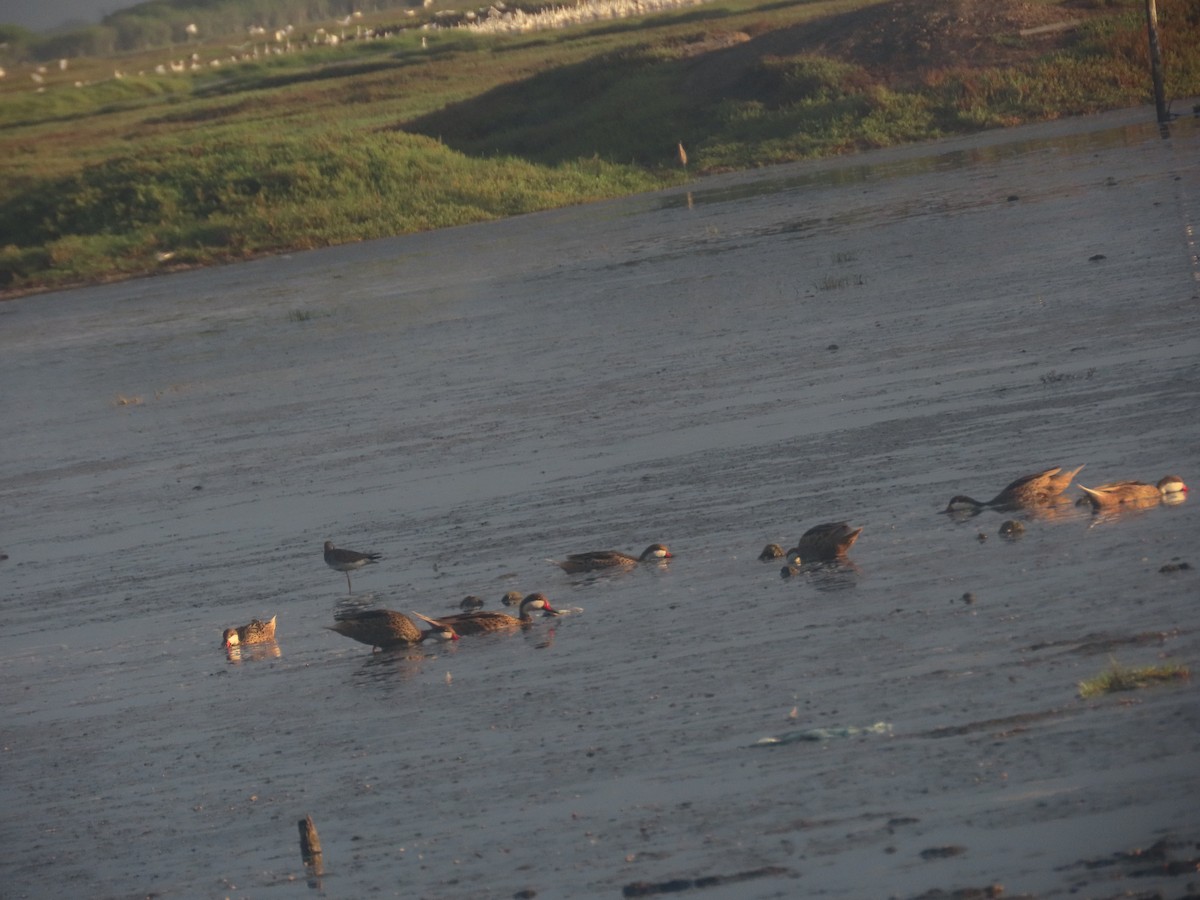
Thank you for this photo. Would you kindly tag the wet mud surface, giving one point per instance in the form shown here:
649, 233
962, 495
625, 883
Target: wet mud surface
857, 340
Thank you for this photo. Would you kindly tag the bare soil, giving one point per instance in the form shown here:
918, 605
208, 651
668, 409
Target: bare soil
897, 42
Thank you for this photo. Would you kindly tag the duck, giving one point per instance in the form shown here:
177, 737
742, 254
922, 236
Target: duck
611, 559
824, 543
486, 621
1169, 488
512, 598
470, 603
1029, 490
347, 560
257, 632
770, 552
385, 628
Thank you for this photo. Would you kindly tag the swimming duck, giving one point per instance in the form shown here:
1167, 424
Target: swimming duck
512, 598
384, 628
470, 603
347, 560
1029, 490
770, 552
825, 542
484, 621
610, 559
257, 632
1135, 493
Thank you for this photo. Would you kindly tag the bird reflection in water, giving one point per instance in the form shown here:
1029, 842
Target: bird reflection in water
261, 652
830, 575
398, 664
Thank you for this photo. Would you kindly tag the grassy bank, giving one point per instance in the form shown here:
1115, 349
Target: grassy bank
121, 176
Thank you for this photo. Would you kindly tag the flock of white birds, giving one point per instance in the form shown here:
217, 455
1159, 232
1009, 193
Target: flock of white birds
498, 20
495, 19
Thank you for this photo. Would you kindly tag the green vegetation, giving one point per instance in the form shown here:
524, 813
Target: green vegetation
1122, 678
205, 153
161, 23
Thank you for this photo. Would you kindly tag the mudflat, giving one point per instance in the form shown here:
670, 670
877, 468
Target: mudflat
713, 369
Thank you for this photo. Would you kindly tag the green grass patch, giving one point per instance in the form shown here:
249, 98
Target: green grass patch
427, 129
1124, 678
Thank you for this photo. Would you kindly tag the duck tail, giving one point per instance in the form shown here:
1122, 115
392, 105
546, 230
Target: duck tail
438, 622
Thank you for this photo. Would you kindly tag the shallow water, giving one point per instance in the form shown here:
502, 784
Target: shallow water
714, 369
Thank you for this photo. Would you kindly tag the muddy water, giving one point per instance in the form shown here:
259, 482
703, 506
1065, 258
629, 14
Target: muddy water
851, 340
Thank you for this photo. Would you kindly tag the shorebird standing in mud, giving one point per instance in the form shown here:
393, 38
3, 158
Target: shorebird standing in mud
347, 561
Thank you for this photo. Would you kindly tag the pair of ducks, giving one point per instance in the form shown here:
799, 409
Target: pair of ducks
386, 628
1047, 487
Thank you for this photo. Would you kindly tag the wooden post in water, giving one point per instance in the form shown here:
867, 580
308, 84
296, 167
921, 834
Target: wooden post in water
310, 846
1156, 66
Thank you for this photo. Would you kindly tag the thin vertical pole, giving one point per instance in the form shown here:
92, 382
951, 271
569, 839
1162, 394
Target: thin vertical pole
1156, 66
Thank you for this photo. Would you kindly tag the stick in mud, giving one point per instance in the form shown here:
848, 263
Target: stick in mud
310, 844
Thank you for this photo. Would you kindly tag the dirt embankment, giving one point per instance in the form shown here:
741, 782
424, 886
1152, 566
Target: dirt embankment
898, 41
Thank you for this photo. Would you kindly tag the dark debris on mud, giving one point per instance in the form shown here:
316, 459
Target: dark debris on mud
676, 885
1165, 857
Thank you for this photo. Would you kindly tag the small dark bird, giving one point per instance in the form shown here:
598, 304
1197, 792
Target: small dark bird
347, 560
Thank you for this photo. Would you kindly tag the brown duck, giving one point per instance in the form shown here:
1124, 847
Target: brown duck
347, 560
770, 553
1135, 493
1028, 491
610, 559
823, 543
257, 632
483, 621
384, 628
